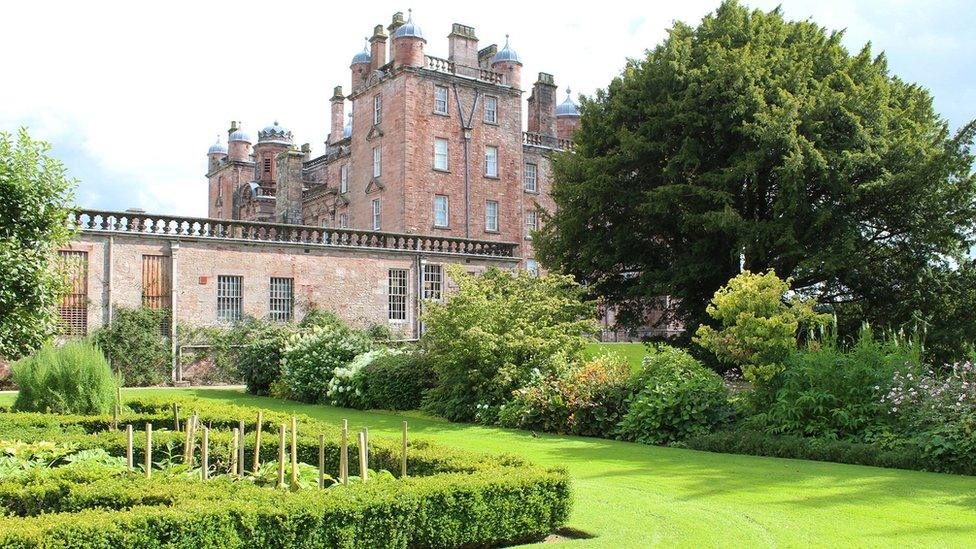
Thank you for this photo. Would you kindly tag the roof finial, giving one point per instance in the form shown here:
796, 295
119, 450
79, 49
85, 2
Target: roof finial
568, 92
506, 40
276, 123
409, 14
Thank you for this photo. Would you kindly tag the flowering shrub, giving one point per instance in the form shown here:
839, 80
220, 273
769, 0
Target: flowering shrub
583, 400
674, 397
346, 388
311, 357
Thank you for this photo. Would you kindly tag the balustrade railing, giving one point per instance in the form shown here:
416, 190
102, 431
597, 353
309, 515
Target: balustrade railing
548, 141
445, 65
195, 227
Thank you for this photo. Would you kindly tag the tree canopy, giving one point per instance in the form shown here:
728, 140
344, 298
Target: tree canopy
35, 198
752, 142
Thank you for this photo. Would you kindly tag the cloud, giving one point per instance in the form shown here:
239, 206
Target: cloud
132, 94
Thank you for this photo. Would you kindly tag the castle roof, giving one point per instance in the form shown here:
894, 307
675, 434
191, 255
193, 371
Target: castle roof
567, 107
275, 134
217, 148
409, 29
240, 135
506, 54
362, 57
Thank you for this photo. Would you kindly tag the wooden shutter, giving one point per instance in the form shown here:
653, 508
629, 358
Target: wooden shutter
74, 304
155, 282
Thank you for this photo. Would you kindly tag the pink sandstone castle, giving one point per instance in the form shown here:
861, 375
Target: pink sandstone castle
429, 146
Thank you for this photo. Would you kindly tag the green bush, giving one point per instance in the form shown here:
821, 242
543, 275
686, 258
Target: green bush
587, 400
347, 383
135, 345
71, 379
484, 341
673, 397
258, 357
830, 392
311, 357
396, 381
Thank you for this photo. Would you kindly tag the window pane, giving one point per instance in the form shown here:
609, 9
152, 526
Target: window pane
531, 221
491, 109
398, 294
343, 221
230, 297
376, 214
532, 266
344, 178
377, 161
531, 183
440, 99
440, 154
440, 211
377, 109
433, 282
282, 301
491, 215
491, 161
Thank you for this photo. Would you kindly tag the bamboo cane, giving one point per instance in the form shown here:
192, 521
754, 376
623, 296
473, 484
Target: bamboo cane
191, 436
403, 458
281, 455
148, 450
321, 461
205, 454
176, 417
240, 450
363, 456
294, 452
128, 447
344, 453
257, 440
115, 417
233, 452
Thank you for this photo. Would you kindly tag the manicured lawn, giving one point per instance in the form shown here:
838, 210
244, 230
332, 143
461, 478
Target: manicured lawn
633, 353
630, 495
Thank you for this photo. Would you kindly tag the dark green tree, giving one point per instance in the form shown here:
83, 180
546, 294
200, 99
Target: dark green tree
752, 141
35, 198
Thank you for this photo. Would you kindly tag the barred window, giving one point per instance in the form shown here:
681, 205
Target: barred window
491, 109
230, 297
433, 282
398, 294
156, 289
282, 299
530, 179
491, 216
440, 99
74, 305
491, 161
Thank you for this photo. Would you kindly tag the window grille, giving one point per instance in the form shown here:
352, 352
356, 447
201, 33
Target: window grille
398, 294
531, 181
433, 282
491, 216
282, 304
230, 297
491, 109
440, 100
156, 289
491, 161
74, 305
440, 154
440, 211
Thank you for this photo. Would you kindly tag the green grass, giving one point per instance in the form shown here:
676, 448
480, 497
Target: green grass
633, 353
630, 495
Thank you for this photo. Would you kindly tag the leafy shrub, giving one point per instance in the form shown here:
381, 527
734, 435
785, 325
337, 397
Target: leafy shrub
396, 381
310, 358
673, 397
258, 359
496, 329
834, 393
136, 346
758, 324
586, 400
71, 379
346, 385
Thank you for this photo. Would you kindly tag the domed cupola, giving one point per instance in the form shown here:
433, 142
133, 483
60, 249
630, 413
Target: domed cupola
409, 29
361, 58
217, 148
567, 107
275, 134
506, 54
239, 135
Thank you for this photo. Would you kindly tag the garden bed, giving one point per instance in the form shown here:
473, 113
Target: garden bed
449, 498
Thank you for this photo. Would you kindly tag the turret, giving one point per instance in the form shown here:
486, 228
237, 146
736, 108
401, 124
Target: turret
216, 153
359, 68
338, 108
238, 143
567, 118
272, 140
508, 63
409, 44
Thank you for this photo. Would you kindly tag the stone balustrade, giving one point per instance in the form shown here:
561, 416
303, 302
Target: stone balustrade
450, 67
547, 141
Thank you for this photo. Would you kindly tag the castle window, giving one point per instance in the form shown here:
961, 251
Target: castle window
491, 161
531, 223
267, 165
491, 216
440, 99
440, 210
74, 304
530, 179
377, 161
376, 214
343, 221
491, 109
440, 154
282, 302
397, 283
433, 282
377, 109
344, 178
230, 297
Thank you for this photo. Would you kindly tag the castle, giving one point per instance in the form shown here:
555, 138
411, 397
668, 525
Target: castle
430, 146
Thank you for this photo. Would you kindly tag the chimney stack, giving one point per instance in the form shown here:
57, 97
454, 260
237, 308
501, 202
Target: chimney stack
542, 106
462, 46
338, 109
377, 48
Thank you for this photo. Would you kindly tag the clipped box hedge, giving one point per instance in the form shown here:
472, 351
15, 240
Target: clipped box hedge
451, 498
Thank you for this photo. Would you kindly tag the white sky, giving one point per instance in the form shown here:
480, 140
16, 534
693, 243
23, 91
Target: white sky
131, 94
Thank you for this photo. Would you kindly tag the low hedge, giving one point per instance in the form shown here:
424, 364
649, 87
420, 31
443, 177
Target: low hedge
451, 498
902, 454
